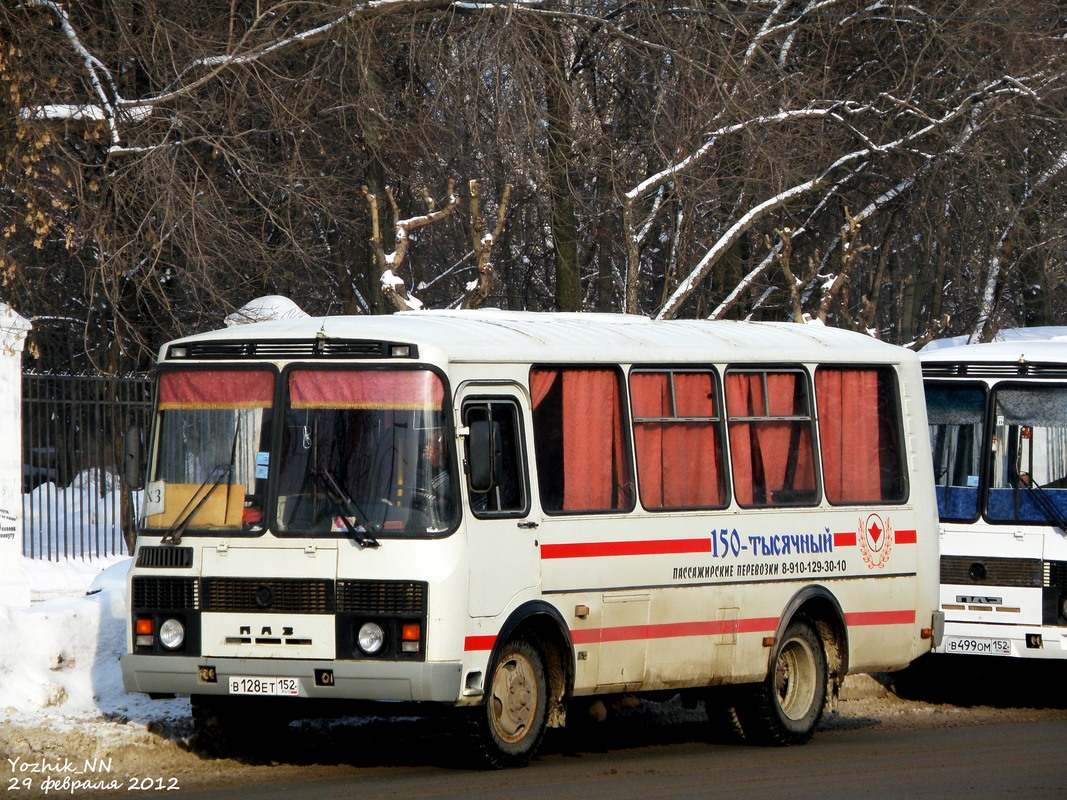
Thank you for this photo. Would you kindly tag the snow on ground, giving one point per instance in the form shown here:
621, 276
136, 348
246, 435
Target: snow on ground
59, 662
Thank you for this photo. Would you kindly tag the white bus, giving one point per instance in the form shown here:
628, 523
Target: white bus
998, 431
508, 513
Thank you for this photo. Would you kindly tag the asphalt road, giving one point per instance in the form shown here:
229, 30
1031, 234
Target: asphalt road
1007, 760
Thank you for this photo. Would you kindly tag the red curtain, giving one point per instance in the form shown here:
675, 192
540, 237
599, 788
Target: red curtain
593, 463
210, 389
677, 462
392, 389
593, 456
849, 431
769, 455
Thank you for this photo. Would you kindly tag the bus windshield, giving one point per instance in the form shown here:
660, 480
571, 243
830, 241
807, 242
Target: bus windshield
956, 414
209, 470
365, 452
1028, 474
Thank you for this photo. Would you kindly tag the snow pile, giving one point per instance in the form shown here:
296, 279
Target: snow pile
60, 658
272, 306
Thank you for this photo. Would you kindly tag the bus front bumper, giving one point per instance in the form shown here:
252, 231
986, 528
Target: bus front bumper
351, 680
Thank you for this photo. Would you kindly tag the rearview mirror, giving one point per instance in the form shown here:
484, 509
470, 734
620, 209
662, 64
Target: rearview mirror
133, 459
484, 455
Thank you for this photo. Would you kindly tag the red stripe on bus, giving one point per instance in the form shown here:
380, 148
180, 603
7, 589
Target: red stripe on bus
675, 630
902, 617
633, 548
906, 537
846, 539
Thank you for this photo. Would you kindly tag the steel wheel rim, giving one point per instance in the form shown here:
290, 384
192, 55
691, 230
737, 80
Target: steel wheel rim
794, 679
513, 698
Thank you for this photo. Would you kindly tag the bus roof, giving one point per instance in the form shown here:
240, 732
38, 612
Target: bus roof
508, 336
1030, 345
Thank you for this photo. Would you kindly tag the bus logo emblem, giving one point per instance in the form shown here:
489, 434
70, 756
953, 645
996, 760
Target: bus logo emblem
875, 540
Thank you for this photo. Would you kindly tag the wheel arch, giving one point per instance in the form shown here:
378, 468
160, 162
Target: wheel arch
819, 604
543, 626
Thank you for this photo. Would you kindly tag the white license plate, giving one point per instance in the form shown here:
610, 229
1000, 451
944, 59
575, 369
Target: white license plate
247, 684
977, 645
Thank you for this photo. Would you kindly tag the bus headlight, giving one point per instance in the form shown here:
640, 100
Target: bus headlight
172, 634
371, 637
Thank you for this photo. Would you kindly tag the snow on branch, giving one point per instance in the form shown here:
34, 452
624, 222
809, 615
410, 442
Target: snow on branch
393, 286
1007, 87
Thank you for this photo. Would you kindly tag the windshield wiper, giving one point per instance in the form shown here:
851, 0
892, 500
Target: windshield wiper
1048, 505
346, 506
177, 530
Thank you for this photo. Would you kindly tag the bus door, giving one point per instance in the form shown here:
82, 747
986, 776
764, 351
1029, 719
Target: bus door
502, 540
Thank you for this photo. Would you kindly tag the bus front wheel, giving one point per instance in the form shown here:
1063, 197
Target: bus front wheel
509, 725
785, 708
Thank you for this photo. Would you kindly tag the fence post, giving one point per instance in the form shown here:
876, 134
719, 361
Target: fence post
14, 588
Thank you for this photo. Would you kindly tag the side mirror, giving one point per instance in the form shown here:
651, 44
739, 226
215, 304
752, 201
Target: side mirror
133, 458
484, 454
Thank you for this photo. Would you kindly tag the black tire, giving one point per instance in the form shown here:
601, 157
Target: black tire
724, 726
787, 706
509, 725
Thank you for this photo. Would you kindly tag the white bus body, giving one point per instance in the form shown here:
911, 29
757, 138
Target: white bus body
998, 430
509, 512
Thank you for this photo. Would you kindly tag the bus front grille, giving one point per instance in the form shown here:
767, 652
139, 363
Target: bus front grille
381, 598
294, 595
164, 594
970, 570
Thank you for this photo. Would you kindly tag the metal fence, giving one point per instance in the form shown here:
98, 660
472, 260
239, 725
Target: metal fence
74, 502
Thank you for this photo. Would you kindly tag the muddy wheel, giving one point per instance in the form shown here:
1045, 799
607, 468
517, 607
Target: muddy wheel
786, 707
509, 725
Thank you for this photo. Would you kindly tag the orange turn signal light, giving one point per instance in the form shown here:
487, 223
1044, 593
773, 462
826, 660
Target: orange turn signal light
143, 627
411, 632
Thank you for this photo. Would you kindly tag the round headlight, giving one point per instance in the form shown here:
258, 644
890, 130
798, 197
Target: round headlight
172, 634
371, 637
1063, 606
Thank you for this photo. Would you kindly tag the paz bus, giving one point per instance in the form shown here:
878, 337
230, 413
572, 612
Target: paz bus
512, 514
998, 431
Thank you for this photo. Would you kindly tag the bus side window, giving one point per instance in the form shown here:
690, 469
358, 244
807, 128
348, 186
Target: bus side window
494, 458
771, 443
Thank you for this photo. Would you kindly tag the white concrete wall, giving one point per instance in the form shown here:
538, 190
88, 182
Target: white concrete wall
14, 589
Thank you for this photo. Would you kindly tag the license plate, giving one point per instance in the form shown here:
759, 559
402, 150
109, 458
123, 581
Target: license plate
245, 684
977, 645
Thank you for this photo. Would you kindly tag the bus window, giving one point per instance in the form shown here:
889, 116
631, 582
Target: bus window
860, 435
955, 415
506, 493
1028, 471
214, 432
678, 439
365, 450
578, 439
770, 438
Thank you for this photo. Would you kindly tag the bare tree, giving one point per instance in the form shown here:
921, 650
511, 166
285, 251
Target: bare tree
161, 167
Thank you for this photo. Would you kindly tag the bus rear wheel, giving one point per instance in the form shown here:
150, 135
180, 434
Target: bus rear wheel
786, 707
509, 725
